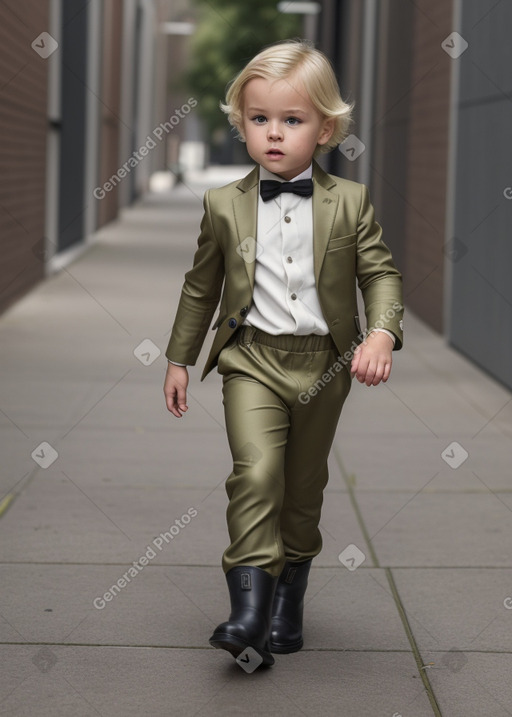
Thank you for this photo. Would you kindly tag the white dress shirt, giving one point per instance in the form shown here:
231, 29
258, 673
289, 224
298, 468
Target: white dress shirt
285, 299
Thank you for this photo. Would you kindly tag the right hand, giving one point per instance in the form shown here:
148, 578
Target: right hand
175, 389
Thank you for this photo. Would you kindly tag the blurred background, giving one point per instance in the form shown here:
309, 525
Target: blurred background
101, 101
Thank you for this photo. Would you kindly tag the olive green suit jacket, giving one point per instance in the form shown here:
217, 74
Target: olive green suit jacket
347, 247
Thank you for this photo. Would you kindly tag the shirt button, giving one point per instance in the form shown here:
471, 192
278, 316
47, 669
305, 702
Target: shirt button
287, 219
289, 259
293, 296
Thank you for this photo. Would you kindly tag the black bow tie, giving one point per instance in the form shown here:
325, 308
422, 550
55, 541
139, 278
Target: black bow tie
270, 188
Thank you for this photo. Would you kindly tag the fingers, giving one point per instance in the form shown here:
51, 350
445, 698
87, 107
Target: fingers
182, 398
354, 365
387, 371
172, 402
367, 372
370, 370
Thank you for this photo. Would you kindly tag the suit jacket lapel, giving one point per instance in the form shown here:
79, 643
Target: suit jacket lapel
325, 206
245, 209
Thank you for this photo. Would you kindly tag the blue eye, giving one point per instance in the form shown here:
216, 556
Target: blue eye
260, 119
293, 121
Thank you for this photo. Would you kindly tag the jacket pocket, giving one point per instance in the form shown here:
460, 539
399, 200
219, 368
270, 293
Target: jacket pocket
342, 242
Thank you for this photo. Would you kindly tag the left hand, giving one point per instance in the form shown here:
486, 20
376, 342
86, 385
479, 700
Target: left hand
372, 360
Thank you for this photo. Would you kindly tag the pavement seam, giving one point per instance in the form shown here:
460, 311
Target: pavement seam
145, 646
415, 650
349, 482
10, 498
5, 503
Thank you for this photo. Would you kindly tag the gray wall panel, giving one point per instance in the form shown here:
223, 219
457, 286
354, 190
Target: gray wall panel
487, 27
481, 300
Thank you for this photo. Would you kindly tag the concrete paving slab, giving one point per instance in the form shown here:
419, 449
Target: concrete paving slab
471, 683
351, 610
464, 530
405, 405
95, 605
415, 463
56, 520
166, 457
429, 353
374, 410
407, 460
408, 463
458, 609
16, 462
87, 681
126, 395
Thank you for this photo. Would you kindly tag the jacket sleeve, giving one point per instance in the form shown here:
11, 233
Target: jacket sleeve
200, 295
378, 278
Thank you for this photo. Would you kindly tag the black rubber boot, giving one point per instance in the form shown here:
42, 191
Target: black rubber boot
288, 608
251, 591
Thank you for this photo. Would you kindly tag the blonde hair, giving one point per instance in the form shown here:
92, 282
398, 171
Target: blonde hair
315, 71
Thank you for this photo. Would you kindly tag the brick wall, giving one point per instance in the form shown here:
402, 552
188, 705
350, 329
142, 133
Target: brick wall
110, 106
23, 132
426, 165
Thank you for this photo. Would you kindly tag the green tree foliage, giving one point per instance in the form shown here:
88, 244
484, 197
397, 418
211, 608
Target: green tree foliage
228, 34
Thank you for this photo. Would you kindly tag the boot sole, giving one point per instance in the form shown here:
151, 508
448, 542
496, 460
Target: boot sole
236, 646
286, 649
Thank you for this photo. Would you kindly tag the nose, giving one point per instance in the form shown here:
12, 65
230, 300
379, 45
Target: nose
274, 131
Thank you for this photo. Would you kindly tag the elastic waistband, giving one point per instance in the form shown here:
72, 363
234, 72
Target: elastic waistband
287, 342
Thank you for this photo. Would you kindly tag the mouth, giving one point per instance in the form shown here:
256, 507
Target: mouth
274, 152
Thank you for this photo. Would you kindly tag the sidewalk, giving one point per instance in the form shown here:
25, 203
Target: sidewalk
421, 623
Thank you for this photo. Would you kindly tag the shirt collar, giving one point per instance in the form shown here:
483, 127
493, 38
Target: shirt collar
306, 174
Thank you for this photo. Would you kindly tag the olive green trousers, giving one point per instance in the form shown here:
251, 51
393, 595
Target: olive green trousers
282, 398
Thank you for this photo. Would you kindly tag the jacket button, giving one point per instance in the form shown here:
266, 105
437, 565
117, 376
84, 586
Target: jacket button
232, 323
243, 311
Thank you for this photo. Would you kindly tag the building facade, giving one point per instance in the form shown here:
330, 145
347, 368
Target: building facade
83, 85
433, 111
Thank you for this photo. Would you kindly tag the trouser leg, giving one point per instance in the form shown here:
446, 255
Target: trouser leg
312, 431
257, 424
310, 437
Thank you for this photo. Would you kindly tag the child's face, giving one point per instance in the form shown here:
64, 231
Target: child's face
281, 126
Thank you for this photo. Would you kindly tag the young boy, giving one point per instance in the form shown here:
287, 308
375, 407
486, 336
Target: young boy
289, 242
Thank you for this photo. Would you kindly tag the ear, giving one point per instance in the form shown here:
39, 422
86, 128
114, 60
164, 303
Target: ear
326, 131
